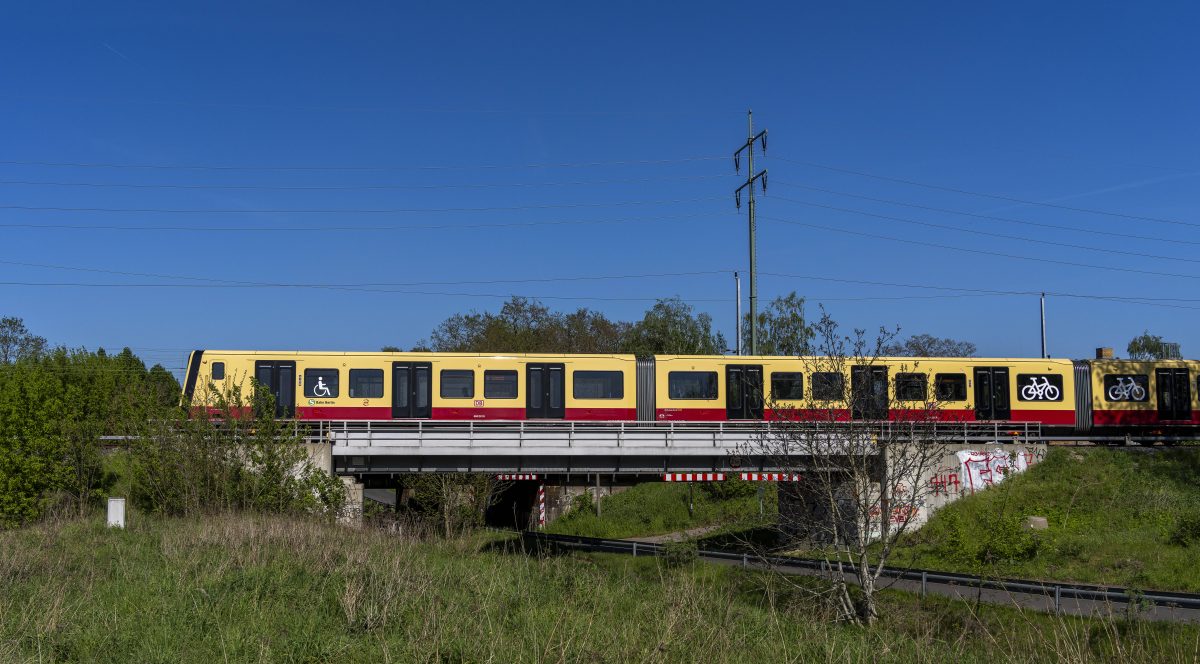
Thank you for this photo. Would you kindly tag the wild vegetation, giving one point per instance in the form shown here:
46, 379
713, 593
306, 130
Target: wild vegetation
1115, 516
655, 508
240, 588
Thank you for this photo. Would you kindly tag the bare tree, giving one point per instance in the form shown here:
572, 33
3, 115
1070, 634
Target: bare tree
864, 456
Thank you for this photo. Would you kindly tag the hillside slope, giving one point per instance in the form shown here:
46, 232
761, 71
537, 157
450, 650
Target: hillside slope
1128, 517
236, 588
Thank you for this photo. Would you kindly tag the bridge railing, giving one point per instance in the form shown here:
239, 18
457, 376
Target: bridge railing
378, 437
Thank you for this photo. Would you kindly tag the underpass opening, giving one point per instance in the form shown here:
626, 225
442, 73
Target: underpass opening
514, 506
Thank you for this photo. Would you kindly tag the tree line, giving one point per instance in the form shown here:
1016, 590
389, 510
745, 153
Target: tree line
669, 327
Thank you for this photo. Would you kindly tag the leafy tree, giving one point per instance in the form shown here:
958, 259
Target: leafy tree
390, 349
927, 345
16, 341
54, 406
527, 326
1150, 347
782, 328
671, 327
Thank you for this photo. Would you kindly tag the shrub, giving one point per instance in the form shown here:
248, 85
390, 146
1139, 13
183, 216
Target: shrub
733, 487
238, 461
1187, 530
680, 554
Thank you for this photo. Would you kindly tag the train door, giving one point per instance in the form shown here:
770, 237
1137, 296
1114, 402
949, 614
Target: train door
868, 392
991, 394
1174, 392
411, 390
279, 378
545, 391
743, 391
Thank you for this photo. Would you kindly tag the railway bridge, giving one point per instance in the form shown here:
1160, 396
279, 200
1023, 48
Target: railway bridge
553, 461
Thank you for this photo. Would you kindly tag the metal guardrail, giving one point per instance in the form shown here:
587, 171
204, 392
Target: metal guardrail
366, 434
1059, 591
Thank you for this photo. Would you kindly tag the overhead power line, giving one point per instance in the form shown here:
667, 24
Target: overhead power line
990, 217
366, 187
311, 167
999, 197
327, 228
581, 298
55, 208
1133, 299
236, 282
1108, 268
959, 229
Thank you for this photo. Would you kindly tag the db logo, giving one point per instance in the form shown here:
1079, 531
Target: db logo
479, 403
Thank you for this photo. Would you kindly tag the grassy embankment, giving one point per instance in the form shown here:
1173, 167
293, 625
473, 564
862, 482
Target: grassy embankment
1119, 517
241, 588
654, 508
1116, 517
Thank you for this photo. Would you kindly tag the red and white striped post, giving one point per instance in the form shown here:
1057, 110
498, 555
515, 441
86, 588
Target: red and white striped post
541, 498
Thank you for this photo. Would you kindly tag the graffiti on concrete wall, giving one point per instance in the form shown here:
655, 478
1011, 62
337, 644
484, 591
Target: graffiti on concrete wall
982, 469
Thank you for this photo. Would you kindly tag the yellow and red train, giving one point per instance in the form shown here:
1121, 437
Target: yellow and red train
1079, 395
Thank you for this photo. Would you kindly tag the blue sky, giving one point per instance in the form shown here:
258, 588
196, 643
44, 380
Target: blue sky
449, 151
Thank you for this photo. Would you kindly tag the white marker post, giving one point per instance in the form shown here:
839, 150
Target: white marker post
116, 512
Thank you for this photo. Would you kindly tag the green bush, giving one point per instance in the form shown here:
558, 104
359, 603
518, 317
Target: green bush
182, 465
733, 487
1187, 530
680, 554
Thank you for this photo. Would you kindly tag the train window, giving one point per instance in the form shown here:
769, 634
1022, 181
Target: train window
1126, 387
366, 383
787, 385
828, 386
692, 385
950, 387
598, 384
321, 383
911, 386
500, 384
218, 371
458, 384
1039, 387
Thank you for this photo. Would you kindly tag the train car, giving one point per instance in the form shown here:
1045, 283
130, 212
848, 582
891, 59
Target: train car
723, 388
438, 386
1086, 395
1163, 395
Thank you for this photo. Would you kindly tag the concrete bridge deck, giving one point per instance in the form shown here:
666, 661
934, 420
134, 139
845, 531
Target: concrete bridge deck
365, 447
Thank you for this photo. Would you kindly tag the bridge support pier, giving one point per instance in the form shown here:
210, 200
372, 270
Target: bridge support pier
352, 511
807, 508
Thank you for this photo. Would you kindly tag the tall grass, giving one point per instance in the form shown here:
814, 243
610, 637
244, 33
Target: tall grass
653, 508
1115, 517
270, 588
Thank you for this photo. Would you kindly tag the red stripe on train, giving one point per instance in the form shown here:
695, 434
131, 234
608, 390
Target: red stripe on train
459, 414
343, 412
1138, 417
